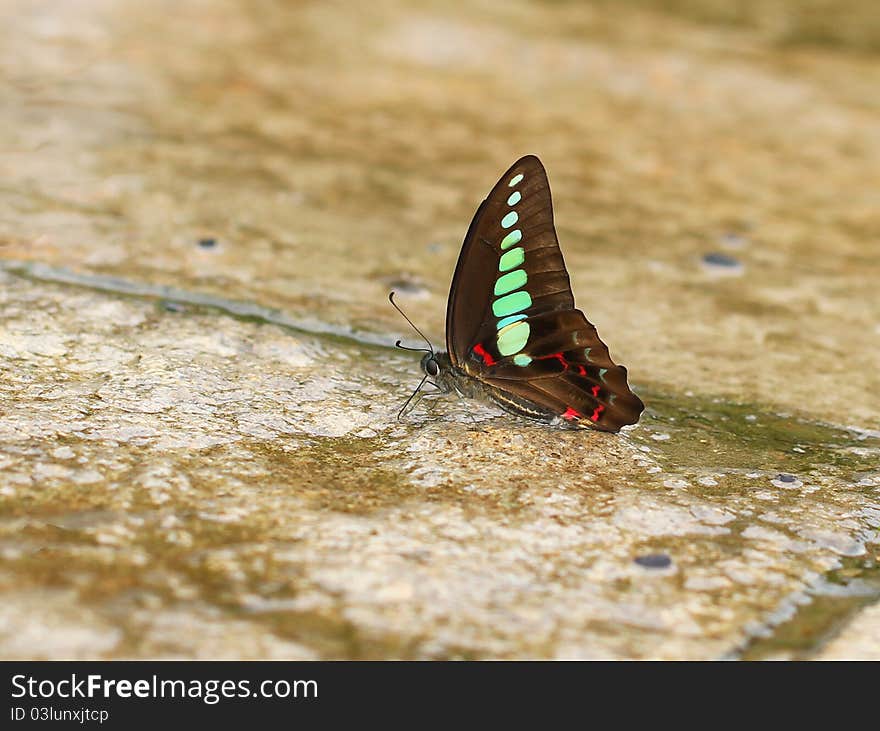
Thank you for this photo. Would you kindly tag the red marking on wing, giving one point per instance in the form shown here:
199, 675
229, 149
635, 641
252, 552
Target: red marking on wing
559, 356
481, 351
599, 409
596, 391
581, 370
570, 414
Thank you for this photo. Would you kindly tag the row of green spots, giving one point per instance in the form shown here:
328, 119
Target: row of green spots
512, 259
514, 237
513, 331
510, 281
511, 303
507, 320
513, 338
510, 219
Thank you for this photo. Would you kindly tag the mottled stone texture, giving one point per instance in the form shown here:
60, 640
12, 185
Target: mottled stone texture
199, 455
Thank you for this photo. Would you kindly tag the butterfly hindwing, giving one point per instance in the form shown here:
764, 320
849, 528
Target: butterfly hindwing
511, 320
569, 373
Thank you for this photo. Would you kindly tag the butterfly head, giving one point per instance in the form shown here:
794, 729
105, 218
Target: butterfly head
430, 365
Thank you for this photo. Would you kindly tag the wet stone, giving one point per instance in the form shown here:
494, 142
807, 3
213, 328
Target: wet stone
249, 466
230, 479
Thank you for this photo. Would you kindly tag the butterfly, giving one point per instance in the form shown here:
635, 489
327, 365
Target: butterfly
513, 334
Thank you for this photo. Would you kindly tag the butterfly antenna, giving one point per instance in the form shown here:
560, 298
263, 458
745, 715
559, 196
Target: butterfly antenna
411, 397
430, 348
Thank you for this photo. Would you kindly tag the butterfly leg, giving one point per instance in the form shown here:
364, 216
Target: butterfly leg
434, 396
420, 394
475, 425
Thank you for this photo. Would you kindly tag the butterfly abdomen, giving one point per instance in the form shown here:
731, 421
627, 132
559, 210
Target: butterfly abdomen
519, 406
452, 379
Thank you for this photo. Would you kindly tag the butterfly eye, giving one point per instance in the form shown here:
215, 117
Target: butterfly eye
431, 367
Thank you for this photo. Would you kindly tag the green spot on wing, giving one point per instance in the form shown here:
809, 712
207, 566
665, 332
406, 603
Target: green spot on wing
522, 360
510, 281
510, 219
513, 338
514, 180
512, 259
514, 237
511, 304
507, 320
515, 198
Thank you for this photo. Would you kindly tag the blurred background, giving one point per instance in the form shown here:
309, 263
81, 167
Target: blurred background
178, 482
334, 150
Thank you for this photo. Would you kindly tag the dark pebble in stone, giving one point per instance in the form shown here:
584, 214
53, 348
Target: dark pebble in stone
720, 260
654, 561
207, 243
782, 477
173, 306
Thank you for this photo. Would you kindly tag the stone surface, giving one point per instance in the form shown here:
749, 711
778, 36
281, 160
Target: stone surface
861, 640
199, 455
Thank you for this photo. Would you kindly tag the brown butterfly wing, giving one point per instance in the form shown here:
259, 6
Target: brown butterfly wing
511, 288
469, 317
571, 374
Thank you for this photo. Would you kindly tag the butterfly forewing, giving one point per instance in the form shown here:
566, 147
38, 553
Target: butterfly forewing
494, 234
511, 320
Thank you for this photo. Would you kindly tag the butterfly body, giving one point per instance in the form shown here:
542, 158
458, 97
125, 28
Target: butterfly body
449, 379
513, 334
